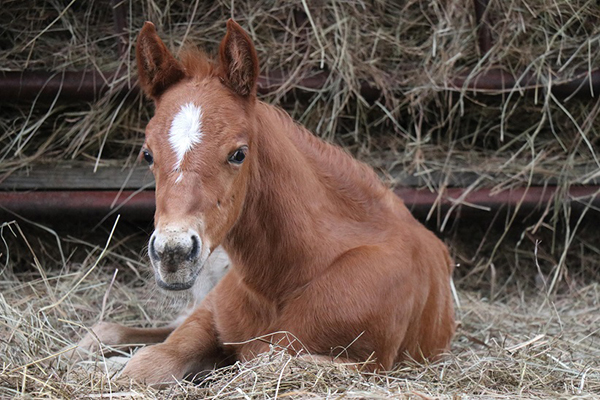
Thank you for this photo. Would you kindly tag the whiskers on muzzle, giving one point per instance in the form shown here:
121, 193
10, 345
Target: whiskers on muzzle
212, 271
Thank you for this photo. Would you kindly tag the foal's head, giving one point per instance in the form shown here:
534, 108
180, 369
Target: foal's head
199, 147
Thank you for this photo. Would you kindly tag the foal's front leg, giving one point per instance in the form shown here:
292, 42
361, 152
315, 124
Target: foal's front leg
191, 348
120, 337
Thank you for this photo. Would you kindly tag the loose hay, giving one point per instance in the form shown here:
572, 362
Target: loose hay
523, 344
516, 338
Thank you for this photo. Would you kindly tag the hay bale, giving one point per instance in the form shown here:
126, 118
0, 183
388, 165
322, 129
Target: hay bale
411, 51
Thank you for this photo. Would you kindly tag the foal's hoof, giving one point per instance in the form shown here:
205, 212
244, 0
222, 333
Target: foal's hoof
101, 334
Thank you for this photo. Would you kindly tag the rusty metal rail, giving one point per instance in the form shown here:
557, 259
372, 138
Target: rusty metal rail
486, 201
140, 206
484, 34
67, 85
91, 85
496, 81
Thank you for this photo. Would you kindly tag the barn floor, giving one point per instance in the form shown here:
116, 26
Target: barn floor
522, 344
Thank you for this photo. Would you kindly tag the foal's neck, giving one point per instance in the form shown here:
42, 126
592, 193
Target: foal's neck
290, 227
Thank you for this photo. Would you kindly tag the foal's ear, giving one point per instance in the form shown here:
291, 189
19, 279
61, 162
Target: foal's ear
157, 68
239, 63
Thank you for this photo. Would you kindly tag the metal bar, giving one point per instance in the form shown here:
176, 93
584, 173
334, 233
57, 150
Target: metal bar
497, 81
74, 205
97, 204
484, 33
120, 17
531, 199
44, 85
90, 85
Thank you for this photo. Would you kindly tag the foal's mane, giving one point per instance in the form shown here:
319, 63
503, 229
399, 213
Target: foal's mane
197, 63
343, 172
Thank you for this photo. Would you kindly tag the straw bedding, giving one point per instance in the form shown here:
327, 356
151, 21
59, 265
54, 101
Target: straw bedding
521, 343
527, 288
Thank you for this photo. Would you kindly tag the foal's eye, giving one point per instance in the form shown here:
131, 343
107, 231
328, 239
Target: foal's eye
238, 156
148, 157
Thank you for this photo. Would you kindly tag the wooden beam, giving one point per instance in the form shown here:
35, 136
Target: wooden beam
74, 176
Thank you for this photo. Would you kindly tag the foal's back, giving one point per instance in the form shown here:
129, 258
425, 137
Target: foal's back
391, 274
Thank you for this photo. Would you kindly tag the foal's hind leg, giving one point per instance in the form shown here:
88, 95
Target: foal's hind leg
120, 337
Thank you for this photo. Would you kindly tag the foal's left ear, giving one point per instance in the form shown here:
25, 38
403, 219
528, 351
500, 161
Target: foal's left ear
239, 62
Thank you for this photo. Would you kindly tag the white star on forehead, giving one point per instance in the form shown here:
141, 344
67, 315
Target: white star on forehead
185, 132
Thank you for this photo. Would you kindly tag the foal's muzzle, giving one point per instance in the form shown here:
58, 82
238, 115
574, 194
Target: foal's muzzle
177, 257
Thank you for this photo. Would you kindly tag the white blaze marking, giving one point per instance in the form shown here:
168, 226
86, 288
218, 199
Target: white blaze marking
186, 131
179, 177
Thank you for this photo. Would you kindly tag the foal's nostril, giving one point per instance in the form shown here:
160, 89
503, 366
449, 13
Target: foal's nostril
195, 248
153, 253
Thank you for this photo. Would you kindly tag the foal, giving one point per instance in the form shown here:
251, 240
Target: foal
325, 260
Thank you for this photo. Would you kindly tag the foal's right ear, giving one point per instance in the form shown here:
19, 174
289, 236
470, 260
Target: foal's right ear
157, 68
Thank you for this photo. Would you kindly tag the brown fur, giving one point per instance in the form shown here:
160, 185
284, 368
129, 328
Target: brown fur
325, 259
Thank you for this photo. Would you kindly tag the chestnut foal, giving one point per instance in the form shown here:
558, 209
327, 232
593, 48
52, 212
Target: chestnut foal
325, 260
